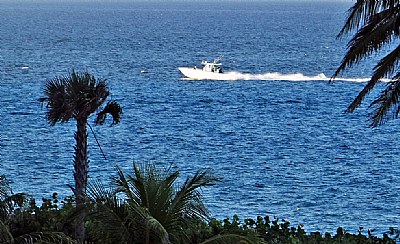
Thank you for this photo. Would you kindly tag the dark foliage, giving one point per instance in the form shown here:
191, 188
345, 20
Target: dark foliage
377, 27
51, 223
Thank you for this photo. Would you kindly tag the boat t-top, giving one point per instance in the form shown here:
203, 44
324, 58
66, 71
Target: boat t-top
209, 71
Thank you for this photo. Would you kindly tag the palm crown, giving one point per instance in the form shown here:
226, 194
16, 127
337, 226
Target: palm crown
75, 96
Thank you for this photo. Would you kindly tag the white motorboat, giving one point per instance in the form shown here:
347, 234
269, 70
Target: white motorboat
209, 71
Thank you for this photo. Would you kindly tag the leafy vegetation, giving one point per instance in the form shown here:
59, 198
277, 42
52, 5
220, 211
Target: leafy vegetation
121, 213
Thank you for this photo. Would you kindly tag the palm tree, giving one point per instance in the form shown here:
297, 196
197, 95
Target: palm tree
377, 25
77, 96
154, 209
113, 220
156, 191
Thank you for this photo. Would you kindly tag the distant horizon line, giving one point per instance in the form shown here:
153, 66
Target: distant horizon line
166, 1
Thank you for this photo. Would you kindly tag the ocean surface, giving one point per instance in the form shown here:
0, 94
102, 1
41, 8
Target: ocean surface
277, 135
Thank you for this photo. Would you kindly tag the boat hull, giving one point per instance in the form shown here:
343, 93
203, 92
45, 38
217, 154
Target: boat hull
199, 74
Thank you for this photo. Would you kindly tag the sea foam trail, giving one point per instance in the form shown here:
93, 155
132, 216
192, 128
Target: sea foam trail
233, 75
289, 77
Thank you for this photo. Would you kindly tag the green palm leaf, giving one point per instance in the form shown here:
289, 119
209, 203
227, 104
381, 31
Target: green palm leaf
158, 194
378, 25
378, 31
384, 68
360, 13
114, 221
386, 103
74, 96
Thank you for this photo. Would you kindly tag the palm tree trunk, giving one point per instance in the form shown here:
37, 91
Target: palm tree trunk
81, 165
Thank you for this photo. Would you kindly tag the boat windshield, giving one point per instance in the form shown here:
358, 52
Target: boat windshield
212, 67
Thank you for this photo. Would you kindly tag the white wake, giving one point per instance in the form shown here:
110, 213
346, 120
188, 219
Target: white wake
287, 77
233, 75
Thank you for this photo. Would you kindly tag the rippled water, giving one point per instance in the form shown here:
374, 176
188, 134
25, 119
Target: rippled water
284, 147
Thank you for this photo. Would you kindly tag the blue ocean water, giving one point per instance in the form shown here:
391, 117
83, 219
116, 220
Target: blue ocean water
283, 146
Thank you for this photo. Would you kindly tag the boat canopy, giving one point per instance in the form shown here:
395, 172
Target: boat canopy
211, 67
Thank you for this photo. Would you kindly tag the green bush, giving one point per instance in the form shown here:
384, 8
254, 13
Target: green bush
54, 216
264, 230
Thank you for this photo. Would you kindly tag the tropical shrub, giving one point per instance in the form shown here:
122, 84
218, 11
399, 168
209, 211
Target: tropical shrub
114, 219
279, 231
154, 209
23, 222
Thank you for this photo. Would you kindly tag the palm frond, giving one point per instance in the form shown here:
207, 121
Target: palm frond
188, 200
139, 190
86, 93
228, 239
354, 18
386, 102
154, 193
108, 215
377, 24
5, 235
371, 37
122, 184
109, 223
360, 13
154, 188
57, 101
98, 193
8, 200
386, 66
384, 69
44, 238
148, 228
112, 108
114, 221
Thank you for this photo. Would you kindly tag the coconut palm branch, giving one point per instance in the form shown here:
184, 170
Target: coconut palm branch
378, 25
77, 96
